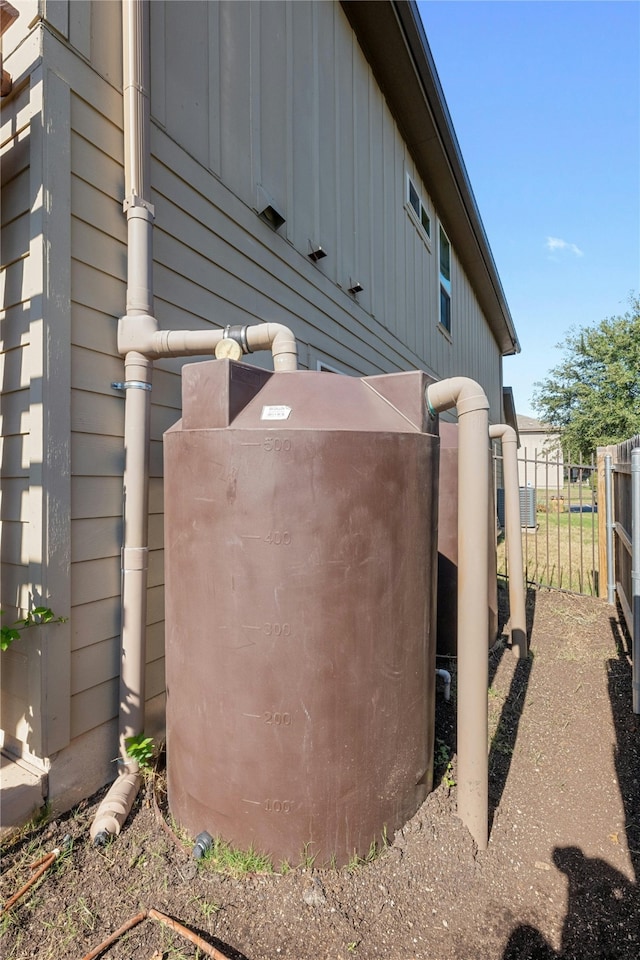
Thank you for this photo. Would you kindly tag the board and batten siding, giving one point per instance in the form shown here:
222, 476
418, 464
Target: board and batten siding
280, 98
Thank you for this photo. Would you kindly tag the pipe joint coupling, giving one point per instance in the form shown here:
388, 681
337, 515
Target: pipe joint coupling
135, 206
238, 333
135, 558
472, 403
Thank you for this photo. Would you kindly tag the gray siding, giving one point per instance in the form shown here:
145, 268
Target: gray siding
280, 96
277, 96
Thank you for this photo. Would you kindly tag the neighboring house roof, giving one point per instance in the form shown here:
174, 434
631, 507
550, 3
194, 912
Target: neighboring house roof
531, 425
394, 42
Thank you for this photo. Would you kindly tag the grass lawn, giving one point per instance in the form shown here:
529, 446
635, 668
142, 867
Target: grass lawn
562, 551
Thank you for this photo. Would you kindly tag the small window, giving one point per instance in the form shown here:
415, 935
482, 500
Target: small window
444, 254
417, 208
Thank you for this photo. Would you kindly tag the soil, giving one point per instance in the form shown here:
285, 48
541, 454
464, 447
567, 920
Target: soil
559, 878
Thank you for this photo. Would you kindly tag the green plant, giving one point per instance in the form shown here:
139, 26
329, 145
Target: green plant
140, 749
442, 753
207, 908
34, 618
501, 741
223, 858
376, 847
308, 859
442, 758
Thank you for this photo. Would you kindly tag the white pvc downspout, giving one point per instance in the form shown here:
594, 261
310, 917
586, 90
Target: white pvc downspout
512, 524
140, 342
473, 607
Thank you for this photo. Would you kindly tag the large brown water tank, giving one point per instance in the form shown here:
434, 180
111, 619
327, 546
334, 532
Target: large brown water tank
300, 552
447, 594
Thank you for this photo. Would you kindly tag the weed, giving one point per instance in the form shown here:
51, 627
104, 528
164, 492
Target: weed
353, 946
448, 778
185, 838
223, 858
442, 753
34, 618
443, 759
375, 849
308, 860
500, 740
207, 908
140, 749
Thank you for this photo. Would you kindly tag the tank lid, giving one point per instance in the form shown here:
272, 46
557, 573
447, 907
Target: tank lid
220, 393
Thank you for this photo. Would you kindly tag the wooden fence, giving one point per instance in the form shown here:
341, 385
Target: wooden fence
616, 525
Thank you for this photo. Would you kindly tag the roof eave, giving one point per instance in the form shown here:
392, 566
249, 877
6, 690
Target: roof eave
393, 40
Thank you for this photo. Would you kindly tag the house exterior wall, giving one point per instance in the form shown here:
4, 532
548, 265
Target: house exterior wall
35, 427
540, 457
17, 284
277, 96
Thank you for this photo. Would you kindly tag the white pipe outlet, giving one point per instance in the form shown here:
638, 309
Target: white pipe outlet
517, 607
446, 676
473, 603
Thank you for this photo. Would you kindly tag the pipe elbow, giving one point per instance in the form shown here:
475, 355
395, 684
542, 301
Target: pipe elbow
502, 431
461, 392
446, 676
114, 809
279, 339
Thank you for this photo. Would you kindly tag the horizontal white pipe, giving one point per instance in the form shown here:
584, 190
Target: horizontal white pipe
141, 335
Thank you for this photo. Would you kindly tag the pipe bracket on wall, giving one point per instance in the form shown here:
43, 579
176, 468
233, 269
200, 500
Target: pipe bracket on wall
136, 202
130, 385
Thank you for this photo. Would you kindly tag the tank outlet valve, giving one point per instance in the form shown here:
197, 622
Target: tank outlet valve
202, 846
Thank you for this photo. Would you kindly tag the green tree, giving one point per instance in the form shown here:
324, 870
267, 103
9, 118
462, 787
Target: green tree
593, 395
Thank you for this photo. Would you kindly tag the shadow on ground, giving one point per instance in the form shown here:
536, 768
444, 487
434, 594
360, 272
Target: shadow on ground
603, 907
504, 739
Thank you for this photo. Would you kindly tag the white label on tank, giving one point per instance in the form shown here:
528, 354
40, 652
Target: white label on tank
275, 412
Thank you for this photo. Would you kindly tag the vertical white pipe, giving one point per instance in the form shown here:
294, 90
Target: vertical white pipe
138, 368
517, 606
473, 603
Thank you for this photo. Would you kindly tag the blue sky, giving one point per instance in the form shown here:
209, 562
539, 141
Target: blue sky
545, 100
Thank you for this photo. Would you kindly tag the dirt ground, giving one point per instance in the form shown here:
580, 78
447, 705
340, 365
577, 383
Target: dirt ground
559, 879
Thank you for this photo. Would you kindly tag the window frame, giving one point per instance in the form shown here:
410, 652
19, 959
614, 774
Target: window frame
445, 284
418, 221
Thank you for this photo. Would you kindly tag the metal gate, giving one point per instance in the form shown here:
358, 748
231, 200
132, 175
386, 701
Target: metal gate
559, 518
